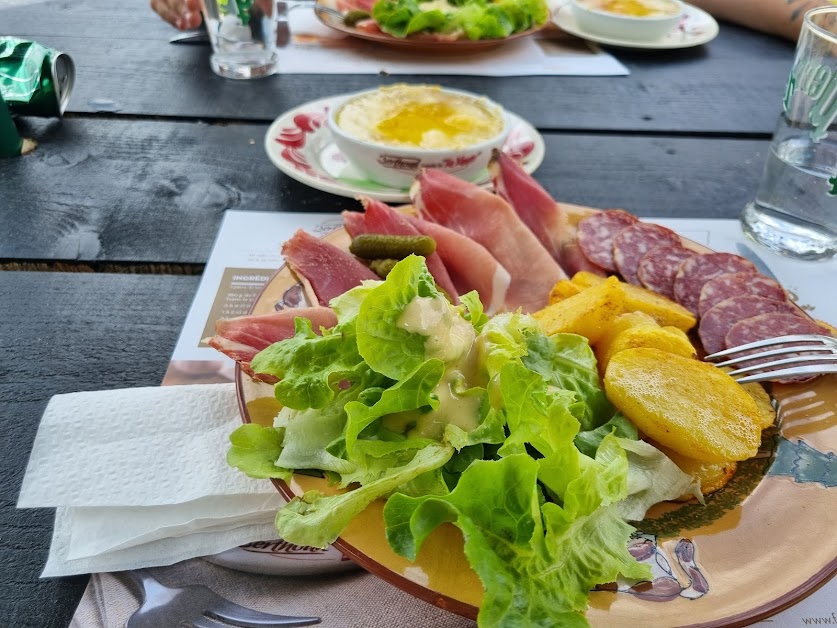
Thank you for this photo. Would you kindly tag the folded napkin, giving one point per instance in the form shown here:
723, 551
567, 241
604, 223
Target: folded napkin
139, 478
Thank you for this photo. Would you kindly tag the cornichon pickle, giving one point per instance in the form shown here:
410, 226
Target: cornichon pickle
379, 246
353, 17
381, 267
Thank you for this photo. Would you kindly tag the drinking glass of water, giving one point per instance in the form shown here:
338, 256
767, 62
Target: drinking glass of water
795, 209
243, 34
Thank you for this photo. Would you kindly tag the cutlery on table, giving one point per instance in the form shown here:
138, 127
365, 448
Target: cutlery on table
198, 607
191, 37
816, 356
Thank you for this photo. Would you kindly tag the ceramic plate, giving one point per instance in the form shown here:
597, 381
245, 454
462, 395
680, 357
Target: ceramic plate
697, 27
301, 145
759, 545
421, 43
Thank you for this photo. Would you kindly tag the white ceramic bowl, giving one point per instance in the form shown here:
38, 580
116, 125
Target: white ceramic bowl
397, 166
619, 26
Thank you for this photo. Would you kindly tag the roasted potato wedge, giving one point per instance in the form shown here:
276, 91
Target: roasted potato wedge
563, 289
713, 476
663, 310
587, 313
684, 404
668, 339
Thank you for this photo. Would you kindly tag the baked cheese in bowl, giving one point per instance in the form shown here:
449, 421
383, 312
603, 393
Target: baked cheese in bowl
392, 132
640, 20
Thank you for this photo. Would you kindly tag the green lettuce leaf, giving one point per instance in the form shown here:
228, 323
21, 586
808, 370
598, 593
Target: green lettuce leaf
317, 520
386, 347
254, 450
568, 363
588, 442
652, 478
533, 576
309, 366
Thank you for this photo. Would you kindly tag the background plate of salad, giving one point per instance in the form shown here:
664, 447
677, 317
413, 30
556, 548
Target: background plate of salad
441, 26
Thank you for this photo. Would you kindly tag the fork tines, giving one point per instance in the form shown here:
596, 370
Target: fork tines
816, 357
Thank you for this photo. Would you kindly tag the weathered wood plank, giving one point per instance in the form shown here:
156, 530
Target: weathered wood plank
731, 85
60, 333
150, 191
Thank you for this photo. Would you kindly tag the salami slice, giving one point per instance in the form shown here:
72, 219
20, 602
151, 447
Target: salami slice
772, 325
658, 267
717, 322
697, 270
738, 284
596, 233
573, 260
634, 242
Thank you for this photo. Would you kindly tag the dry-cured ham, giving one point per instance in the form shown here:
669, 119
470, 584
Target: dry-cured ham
696, 271
737, 284
488, 219
470, 265
658, 268
717, 322
596, 233
330, 271
242, 337
381, 218
536, 208
632, 243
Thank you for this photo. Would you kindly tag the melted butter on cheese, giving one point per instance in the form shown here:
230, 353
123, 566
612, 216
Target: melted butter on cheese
634, 8
420, 116
449, 338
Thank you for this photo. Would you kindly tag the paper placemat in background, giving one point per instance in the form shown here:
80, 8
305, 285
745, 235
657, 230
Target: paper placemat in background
317, 49
245, 255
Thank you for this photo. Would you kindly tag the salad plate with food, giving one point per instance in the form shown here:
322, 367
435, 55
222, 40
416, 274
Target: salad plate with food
441, 26
497, 403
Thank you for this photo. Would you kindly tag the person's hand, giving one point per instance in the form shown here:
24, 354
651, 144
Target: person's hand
182, 14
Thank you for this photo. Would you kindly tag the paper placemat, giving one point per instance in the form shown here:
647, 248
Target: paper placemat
318, 49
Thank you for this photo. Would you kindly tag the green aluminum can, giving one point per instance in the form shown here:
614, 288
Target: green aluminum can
35, 80
11, 143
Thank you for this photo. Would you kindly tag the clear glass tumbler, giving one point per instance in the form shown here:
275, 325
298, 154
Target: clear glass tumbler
795, 209
243, 36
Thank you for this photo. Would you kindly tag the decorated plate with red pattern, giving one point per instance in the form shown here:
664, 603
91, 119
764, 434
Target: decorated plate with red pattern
300, 144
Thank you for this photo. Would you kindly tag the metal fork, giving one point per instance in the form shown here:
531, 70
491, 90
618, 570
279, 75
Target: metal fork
823, 360
197, 606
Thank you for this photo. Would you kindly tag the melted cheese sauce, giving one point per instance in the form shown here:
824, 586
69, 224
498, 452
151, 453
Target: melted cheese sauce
420, 116
634, 8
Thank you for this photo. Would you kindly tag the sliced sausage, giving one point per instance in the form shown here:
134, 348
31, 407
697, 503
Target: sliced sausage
716, 323
658, 267
696, 271
773, 325
596, 233
738, 284
634, 242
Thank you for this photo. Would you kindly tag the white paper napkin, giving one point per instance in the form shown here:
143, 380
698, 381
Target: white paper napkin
139, 477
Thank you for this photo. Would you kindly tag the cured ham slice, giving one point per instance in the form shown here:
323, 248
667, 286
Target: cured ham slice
381, 218
329, 271
488, 219
241, 338
470, 265
536, 208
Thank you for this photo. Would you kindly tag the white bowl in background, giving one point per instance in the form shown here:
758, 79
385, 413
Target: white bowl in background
397, 166
621, 26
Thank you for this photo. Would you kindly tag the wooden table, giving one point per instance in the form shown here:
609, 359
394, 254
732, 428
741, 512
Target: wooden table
105, 228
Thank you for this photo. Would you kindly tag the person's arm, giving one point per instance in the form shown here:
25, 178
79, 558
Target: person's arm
778, 17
